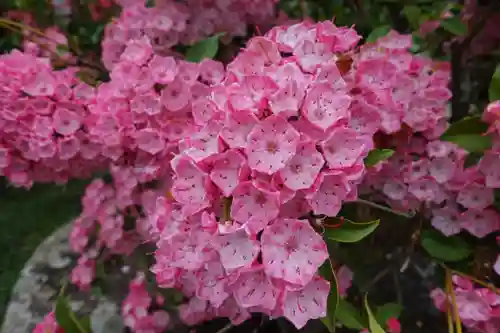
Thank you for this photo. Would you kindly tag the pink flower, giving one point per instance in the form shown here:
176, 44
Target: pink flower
393, 325
237, 250
475, 197
332, 189
343, 148
176, 95
301, 171
83, 274
255, 204
292, 251
324, 108
48, 325
228, 171
254, 289
480, 223
271, 144
309, 303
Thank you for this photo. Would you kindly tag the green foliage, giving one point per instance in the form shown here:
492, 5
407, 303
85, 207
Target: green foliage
206, 48
349, 316
387, 311
68, 320
413, 14
377, 33
444, 248
372, 321
455, 26
326, 271
27, 218
469, 134
378, 155
494, 90
351, 232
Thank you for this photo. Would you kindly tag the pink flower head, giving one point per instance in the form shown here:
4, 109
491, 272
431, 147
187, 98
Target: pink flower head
393, 325
475, 197
292, 251
189, 188
228, 171
301, 171
176, 95
48, 325
255, 204
324, 108
137, 51
237, 250
163, 69
343, 148
329, 192
308, 303
480, 223
271, 144
255, 289
83, 274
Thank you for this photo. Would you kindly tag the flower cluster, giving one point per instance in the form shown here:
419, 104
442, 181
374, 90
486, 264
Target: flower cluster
170, 22
478, 308
136, 310
42, 122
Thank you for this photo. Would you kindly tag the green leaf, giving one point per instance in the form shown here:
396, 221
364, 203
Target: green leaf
377, 33
412, 14
333, 297
472, 142
351, 232
372, 322
455, 26
445, 248
349, 316
204, 49
387, 311
469, 134
378, 155
494, 90
66, 318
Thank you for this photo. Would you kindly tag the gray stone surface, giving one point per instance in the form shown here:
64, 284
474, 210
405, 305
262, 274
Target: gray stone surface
39, 283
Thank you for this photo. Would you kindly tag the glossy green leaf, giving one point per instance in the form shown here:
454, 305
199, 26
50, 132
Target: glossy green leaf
372, 322
349, 316
469, 134
412, 14
494, 90
455, 26
333, 296
387, 311
472, 142
445, 248
351, 232
206, 48
378, 155
67, 319
377, 33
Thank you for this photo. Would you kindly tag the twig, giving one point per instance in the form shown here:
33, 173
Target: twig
489, 286
397, 286
384, 208
377, 278
225, 328
449, 317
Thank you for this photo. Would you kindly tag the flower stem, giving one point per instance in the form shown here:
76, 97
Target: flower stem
384, 208
458, 323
